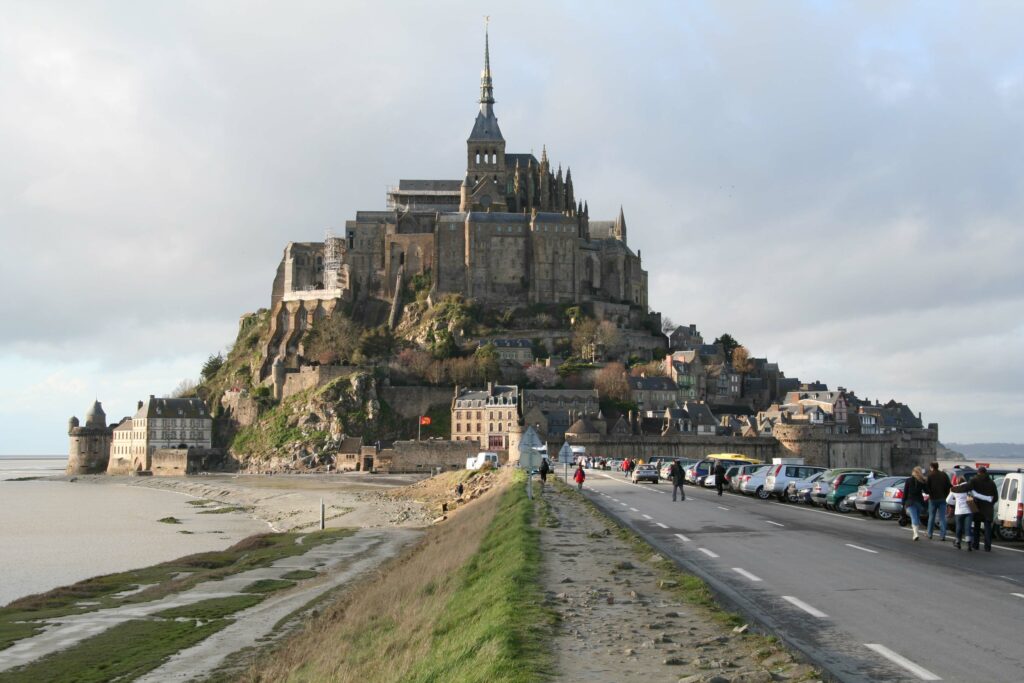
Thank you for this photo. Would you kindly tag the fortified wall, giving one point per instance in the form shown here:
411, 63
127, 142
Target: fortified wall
423, 456
671, 446
411, 402
176, 462
897, 452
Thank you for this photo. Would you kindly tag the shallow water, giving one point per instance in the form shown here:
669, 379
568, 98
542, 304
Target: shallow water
53, 533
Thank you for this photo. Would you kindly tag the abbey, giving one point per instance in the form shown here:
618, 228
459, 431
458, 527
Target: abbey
510, 233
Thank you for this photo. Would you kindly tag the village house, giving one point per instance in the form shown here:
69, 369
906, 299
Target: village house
653, 394
516, 350
685, 338
487, 416
159, 423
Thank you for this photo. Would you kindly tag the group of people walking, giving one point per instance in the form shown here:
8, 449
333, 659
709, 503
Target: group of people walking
973, 504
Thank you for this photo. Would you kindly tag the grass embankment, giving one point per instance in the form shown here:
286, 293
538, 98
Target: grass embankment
23, 617
462, 606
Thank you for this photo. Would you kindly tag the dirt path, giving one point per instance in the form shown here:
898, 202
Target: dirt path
618, 624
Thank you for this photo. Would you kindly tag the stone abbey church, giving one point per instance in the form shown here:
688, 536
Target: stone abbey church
512, 232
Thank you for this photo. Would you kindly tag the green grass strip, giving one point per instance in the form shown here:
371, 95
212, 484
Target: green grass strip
123, 652
299, 574
267, 586
494, 627
214, 608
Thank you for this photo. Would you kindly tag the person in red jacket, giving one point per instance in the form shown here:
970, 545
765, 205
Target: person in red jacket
579, 477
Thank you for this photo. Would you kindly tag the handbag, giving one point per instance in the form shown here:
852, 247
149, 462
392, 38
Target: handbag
971, 505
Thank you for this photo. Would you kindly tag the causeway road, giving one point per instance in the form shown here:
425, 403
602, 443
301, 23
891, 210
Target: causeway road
854, 594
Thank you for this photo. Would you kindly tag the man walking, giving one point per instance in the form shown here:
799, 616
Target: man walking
675, 473
937, 485
544, 469
985, 495
719, 476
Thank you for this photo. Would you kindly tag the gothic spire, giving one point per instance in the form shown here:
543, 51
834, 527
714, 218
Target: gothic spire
486, 86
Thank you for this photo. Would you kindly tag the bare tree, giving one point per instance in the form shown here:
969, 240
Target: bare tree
611, 382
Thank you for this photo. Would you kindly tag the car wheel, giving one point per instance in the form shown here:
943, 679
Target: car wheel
763, 493
1006, 533
882, 514
794, 499
843, 507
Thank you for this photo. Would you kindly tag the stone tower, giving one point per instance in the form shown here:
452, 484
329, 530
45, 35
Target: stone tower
89, 448
485, 186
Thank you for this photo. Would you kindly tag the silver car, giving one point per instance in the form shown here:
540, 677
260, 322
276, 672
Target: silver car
754, 484
777, 481
799, 490
869, 497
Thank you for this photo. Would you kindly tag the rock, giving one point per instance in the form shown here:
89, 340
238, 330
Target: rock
777, 659
671, 615
666, 583
437, 520
741, 629
633, 595
758, 676
611, 600
629, 652
566, 580
623, 565
674, 661
716, 679
560, 596
694, 678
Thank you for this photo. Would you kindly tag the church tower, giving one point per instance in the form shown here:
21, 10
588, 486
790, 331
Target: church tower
485, 184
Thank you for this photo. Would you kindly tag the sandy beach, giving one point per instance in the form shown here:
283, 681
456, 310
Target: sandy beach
56, 531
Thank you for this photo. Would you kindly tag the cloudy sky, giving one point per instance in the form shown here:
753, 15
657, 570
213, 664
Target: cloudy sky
838, 185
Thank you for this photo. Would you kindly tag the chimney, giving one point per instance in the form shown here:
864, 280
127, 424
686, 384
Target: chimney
490, 388
140, 405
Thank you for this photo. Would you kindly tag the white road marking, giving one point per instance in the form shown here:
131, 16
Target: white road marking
663, 526
745, 573
684, 539
616, 500
633, 510
775, 523
647, 517
813, 611
722, 507
707, 552
624, 505
867, 550
919, 671
1019, 595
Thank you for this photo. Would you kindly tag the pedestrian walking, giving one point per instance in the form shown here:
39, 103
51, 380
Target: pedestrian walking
459, 489
579, 477
913, 498
625, 468
985, 495
961, 515
938, 485
719, 476
545, 467
675, 473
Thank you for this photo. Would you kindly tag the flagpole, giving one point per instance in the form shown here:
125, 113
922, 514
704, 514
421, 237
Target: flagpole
419, 428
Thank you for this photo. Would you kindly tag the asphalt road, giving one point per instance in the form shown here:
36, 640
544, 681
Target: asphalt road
855, 594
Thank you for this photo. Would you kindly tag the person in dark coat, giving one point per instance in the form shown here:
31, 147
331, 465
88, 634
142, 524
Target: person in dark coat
985, 495
675, 473
913, 498
938, 485
544, 469
719, 476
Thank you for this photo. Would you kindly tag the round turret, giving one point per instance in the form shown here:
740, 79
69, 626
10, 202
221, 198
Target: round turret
72, 423
95, 417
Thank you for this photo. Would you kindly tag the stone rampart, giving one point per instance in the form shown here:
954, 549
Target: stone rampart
895, 453
423, 456
672, 446
310, 377
89, 450
177, 462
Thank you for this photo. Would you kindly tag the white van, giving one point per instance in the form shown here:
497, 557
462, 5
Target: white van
478, 460
1010, 508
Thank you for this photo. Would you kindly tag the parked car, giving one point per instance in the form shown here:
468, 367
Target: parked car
842, 486
753, 485
799, 490
777, 480
891, 502
663, 472
1010, 508
645, 473
697, 471
730, 475
822, 487
869, 496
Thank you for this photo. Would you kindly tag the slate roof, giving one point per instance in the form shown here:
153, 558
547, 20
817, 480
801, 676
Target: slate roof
652, 384
582, 426
511, 343
173, 407
486, 127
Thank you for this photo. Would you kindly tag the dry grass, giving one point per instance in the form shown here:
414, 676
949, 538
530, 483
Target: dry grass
382, 629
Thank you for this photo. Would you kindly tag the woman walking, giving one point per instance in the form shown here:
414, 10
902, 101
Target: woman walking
961, 514
913, 498
579, 477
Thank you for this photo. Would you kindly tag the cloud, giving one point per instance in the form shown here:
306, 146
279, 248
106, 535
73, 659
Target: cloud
837, 185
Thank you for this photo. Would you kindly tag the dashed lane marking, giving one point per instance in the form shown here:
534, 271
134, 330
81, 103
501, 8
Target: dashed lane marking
775, 523
624, 505
633, 510
708, 552
663, 526
797, 602
867, 550
1019, 595
683, 538
722, 507
744, 573
647, 517
916, 669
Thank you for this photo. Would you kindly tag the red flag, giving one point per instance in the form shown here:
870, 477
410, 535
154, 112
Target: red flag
424, 420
